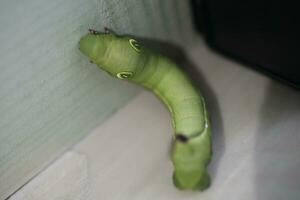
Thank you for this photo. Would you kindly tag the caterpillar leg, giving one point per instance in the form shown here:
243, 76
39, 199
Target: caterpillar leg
94, 32
107, 30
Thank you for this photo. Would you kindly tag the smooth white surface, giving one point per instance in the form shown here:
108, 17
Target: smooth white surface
256, 140
66, 179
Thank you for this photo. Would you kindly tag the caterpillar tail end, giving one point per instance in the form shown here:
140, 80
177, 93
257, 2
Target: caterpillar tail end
202, 184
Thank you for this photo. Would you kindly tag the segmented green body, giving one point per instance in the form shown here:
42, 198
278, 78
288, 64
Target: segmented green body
122, 57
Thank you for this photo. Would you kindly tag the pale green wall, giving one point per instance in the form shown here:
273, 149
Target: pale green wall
50, 95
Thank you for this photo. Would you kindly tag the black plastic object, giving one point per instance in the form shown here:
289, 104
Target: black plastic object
265, 34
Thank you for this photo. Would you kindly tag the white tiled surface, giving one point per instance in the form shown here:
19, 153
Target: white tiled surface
256, 142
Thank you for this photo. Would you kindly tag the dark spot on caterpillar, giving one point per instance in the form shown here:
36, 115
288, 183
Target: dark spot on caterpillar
181, 138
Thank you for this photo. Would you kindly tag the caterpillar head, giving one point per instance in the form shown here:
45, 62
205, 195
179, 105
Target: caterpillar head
120, 56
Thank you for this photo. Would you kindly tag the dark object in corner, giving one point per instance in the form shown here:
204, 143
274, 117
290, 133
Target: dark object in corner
261, 33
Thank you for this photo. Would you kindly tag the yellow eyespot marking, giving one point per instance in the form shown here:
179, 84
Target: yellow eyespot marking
135, 45
124, 75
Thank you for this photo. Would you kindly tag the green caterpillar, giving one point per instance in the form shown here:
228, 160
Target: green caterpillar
124, 58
